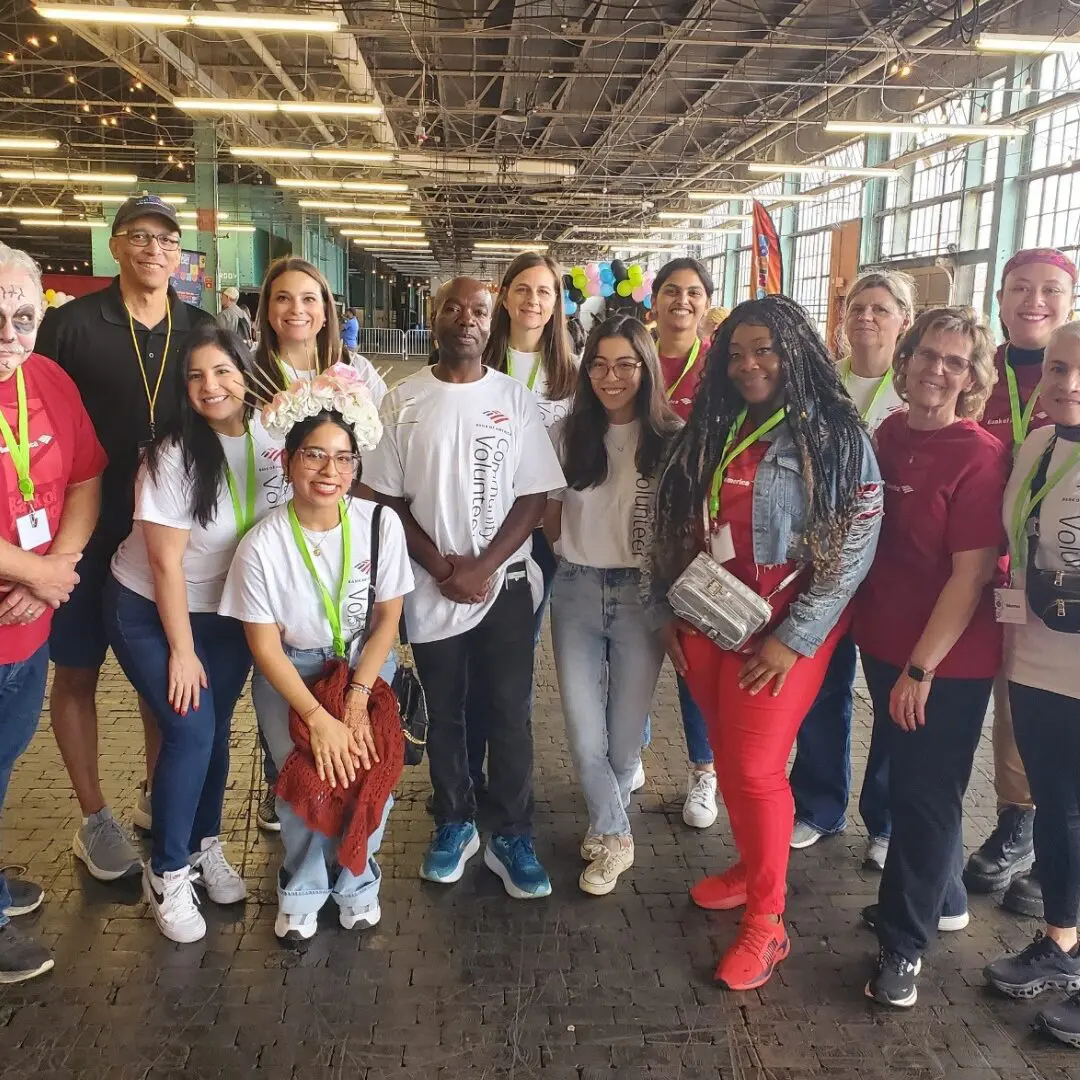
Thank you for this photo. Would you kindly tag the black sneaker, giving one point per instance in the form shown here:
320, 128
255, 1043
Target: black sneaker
1009, 850
1024, 895
946, 924
26, 896
1062, 1021
1043, 965
267, 813
894, 981
21, 957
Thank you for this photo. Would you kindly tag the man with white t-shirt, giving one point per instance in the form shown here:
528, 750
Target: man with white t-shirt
466, 463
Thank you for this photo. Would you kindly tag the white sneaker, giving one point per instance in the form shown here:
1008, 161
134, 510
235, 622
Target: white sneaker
602, 875
174, 904
296, 927
804, 836
142, 816
222, 883
639, 778
364, 918
592, 847
877, 849
699, 810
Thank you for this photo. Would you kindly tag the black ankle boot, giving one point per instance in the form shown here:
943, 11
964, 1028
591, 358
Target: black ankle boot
1008, 851
1024, 895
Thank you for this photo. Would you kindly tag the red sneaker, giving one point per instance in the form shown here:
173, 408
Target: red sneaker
750, 961
721, 892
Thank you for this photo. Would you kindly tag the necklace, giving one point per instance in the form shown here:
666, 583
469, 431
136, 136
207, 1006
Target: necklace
923, 442
315, 545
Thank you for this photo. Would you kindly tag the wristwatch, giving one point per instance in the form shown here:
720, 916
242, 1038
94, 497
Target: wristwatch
918, 674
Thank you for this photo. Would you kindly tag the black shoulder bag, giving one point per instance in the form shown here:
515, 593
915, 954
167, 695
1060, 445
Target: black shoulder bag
406, 685
1054, 595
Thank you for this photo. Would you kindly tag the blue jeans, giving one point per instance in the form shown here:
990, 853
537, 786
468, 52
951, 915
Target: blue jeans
698, 747
22, 692
309, 872
192, 769
608, 660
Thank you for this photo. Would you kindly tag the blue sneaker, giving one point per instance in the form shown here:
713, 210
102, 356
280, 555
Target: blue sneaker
514, 859
453, 845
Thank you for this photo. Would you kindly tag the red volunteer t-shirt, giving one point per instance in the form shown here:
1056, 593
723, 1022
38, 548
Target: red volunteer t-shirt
673, 366
943, 493
997, 417
63, 450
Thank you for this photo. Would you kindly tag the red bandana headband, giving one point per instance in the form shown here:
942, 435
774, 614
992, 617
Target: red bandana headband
1050, 256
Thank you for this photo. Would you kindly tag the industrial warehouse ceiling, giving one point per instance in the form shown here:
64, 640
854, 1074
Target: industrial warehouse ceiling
510, 123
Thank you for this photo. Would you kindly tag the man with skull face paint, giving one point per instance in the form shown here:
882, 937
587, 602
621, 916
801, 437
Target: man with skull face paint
50, 492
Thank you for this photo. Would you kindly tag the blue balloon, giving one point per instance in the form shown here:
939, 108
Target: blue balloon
647, 302
606, 288
569, 307
606, 275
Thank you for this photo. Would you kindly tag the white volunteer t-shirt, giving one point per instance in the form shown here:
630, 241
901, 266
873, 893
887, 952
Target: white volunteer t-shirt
607, 526
371, 378
1035, 655
862, 392
521, 365
165, 499
269, 583
461, 454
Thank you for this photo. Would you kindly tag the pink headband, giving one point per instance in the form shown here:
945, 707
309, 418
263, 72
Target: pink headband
1050, 256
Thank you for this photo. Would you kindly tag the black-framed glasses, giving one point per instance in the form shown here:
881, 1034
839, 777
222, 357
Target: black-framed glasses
140, 238
624, 369
315, 459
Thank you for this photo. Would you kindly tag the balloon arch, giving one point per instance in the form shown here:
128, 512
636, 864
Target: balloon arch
605, 279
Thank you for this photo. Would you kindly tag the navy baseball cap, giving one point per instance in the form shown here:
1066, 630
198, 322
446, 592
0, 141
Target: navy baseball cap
140, 206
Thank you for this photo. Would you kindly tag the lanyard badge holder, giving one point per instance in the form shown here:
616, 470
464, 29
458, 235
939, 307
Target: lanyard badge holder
33, 526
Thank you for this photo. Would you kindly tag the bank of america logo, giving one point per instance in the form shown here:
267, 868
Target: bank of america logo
496, 417
364, 567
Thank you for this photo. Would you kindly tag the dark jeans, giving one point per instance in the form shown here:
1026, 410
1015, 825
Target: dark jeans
494, 662
22, 692
193, 767
477, 721
929, 769
1047, 728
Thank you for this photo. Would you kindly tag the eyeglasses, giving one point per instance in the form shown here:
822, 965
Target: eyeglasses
140, 238
316, 459
624, 369
953, 365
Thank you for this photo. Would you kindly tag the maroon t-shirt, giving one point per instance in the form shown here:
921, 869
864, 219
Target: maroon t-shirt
682, 397
943, 494
997, 417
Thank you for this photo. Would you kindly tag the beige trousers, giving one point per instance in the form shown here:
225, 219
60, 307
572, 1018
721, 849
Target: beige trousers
1010, 779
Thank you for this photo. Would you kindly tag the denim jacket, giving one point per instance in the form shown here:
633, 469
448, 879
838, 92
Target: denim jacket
779, 522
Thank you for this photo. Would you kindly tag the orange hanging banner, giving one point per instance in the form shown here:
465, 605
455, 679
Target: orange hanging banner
766, 265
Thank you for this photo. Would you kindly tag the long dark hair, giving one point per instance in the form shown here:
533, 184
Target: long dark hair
328, 340
824, 425
584, 452
200, 448
556, 356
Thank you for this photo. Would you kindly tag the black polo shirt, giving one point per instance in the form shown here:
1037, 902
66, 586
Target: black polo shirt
90, 338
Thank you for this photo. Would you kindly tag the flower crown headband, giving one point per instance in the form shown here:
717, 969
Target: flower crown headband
338, 389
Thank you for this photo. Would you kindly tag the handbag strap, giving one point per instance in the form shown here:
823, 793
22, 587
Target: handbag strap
376, 532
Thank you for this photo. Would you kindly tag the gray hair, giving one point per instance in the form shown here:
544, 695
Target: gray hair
14, 259
1068, 332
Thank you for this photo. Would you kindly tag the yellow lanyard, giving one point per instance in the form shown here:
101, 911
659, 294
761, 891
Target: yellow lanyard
730, 455
886, 381
531, 382
19, 450
691, 360
1026, 501
151, 399
1021, 421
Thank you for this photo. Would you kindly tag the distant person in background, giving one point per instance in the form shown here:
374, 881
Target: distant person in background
232, 316
711, 322
350, 330
577, 335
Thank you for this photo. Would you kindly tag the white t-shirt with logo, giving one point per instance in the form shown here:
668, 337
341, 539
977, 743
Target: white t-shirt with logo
269, 582
165, 499
461, 454
609, 525
862, 390
1035, 655
520, 366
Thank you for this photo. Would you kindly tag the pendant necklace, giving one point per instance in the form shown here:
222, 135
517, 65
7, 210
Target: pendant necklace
315, 545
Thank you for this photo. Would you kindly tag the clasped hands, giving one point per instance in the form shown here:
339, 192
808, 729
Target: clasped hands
51, 586
468, 582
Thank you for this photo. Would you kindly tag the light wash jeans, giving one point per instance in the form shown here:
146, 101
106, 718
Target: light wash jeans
309, 872
608, 660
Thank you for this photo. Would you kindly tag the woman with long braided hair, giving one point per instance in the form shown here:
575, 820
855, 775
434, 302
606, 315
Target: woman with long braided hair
776, 461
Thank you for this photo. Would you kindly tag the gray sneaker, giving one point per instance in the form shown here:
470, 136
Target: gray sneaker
804, 835
21, 956
105, 848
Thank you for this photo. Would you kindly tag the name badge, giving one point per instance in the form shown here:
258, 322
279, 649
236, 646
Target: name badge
33, 530
1010, 606
721, 546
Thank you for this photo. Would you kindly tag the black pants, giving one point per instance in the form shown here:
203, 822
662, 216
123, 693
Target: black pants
493, 662
1047, 728
929, 770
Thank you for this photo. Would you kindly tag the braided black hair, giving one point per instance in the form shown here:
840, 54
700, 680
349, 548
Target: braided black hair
824, 424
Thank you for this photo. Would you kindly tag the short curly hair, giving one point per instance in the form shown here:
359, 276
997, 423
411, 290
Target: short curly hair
953, 320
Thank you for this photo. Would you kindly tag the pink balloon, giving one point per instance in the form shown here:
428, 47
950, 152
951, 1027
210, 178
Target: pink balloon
593, 287
640, 293
593, 270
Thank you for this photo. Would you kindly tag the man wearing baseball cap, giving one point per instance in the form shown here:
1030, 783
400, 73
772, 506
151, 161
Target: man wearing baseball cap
118, 345
232, 316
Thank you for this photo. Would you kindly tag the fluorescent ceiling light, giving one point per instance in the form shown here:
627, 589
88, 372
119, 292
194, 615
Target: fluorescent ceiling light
656, 231
17, 142
362, 207
235, 228
386, 244
787, 197
116, 200
651, 241
1023, 43
718, 196
379, 234
822, 170
43, 176
238, 20
37, 211
388, 223
972, 131
190, 215
672, 215
508, 245
286, 153
265, 105
72, 224
326, 184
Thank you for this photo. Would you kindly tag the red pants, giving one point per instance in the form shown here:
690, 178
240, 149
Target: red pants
752, 739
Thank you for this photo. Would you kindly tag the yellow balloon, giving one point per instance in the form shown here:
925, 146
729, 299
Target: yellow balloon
49, 294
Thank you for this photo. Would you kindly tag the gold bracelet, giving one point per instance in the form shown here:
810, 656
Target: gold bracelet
312, 711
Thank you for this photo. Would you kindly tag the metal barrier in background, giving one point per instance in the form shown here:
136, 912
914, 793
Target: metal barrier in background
418, 343
381, 341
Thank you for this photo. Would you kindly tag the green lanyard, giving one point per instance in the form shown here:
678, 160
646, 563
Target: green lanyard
244, 521
537, 363
882, 386
1026, 502
333, 611
1021, 421
20, 451
730, 455
690, 361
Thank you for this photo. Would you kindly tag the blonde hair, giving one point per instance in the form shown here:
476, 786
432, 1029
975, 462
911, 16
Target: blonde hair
900, 286
953, 320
